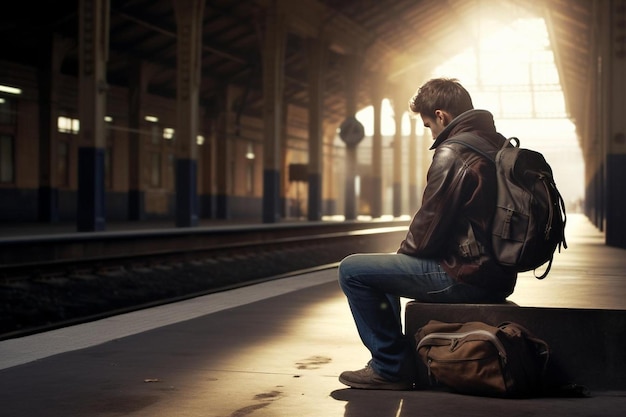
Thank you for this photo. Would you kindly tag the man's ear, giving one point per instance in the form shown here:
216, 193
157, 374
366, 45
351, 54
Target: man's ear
443, 116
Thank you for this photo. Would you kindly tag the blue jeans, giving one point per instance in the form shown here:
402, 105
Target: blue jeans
374, 283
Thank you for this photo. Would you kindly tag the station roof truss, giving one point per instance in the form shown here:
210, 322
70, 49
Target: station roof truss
400, 40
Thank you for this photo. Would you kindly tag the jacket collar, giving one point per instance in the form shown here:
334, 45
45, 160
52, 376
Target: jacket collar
471, 120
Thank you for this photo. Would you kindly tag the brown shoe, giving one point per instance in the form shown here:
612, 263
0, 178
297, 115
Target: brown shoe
366, 378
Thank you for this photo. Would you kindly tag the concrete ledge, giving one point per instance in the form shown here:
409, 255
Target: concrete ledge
588, 347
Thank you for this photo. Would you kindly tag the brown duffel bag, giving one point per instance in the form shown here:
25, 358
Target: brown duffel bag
480, 359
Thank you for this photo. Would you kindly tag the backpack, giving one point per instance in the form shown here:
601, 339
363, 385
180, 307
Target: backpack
529, 220
479, 359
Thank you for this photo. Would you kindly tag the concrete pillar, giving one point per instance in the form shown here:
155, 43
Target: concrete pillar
613, 68
592, 146
331, 196
222, 156
225, 130
51, 56
284, 167
399, 106
412, 171
377, 149
273, 81
138, 85
206, 166
93, 51
352, 76
189, 15
317, 52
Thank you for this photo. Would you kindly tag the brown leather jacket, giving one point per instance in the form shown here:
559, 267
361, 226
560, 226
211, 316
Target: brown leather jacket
453, 223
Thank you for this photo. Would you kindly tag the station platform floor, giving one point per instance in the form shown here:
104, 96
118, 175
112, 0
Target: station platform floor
275, 349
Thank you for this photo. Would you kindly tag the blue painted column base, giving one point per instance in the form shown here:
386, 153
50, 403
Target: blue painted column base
186, 193
221, 207
315, 197
48, 204
271, 196
90, 212
136, 205
615, 201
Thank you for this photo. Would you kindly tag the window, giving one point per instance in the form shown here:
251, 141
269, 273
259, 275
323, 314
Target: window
68, 125
7, 159
168, 133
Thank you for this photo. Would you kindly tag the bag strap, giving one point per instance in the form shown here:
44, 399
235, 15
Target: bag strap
469, 140
476, 143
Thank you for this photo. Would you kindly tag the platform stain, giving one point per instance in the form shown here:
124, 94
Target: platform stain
265, 397
313, 362
248, 410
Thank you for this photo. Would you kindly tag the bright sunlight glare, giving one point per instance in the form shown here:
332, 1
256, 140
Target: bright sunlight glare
513, 75
511, 72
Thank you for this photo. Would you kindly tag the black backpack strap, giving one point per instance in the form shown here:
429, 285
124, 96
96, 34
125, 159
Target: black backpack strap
477, 144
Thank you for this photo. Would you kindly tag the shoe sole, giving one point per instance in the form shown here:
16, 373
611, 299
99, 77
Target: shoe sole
393, 386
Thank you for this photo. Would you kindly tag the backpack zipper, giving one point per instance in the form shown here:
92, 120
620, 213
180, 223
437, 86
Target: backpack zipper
454, 339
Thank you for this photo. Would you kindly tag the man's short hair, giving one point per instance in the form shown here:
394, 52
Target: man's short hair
445, 94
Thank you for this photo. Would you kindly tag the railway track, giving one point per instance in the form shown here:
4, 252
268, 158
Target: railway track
69, 280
